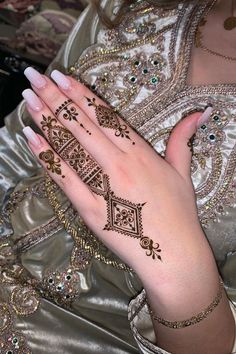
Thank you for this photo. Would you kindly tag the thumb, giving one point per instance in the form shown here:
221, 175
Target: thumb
178, 153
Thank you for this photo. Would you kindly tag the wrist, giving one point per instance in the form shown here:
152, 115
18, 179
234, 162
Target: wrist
192, 262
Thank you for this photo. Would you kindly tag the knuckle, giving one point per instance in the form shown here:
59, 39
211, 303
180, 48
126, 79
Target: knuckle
53, 95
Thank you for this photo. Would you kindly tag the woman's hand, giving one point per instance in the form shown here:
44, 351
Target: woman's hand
140, 205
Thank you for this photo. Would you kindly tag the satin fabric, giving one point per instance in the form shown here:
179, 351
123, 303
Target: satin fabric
97, 320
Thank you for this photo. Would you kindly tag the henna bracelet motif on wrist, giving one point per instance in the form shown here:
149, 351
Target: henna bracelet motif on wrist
194, 319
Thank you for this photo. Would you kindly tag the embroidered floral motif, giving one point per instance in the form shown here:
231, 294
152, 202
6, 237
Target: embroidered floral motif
23, 301
61, 287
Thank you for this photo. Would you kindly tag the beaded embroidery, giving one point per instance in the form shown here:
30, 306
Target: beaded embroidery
60, 287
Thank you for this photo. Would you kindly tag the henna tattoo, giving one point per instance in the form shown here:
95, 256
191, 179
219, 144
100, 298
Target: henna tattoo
152, 247
70, 113
125, 217
107, 118
53, 163
69, 149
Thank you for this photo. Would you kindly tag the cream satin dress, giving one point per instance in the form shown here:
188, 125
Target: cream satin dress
62, 291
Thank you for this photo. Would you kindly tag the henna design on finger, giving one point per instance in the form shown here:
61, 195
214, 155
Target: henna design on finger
70, 113
107, 118
53, 163
72, 152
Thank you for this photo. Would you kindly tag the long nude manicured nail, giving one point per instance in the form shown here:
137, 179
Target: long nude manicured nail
32, 137
35, 77
32, 100
61, 79
205, 116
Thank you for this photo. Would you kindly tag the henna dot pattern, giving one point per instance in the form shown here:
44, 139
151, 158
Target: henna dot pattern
69, 112
107, 118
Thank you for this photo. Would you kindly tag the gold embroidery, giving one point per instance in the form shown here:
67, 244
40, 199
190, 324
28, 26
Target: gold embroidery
23, 301
61, 287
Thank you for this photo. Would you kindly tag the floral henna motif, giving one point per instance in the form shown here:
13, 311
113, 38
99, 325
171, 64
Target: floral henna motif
107, 118
53, 164
70, 113
151, 247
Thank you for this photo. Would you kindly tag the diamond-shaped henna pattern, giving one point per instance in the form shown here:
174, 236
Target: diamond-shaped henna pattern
124, 216
107, 118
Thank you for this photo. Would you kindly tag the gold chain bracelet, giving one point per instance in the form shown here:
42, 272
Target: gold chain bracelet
193, 320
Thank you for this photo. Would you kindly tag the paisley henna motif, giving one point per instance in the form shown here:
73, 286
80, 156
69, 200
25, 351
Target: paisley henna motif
53, 163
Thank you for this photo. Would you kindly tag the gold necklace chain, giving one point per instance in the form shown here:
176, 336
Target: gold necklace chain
198, 37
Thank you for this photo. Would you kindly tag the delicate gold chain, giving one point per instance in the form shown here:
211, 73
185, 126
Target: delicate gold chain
81, 242
198, 37
195, 319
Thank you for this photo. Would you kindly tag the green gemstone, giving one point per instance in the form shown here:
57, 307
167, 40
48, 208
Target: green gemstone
203, 127
137, 63
145, 71
154, 80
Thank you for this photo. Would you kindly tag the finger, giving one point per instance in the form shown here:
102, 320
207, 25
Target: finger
74, 119
57, 133
60, 172
179, 151
99, 112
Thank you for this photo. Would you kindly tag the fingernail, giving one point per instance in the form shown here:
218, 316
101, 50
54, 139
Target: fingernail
205, 116
32, 100
61, 79
35, 77
32, 137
